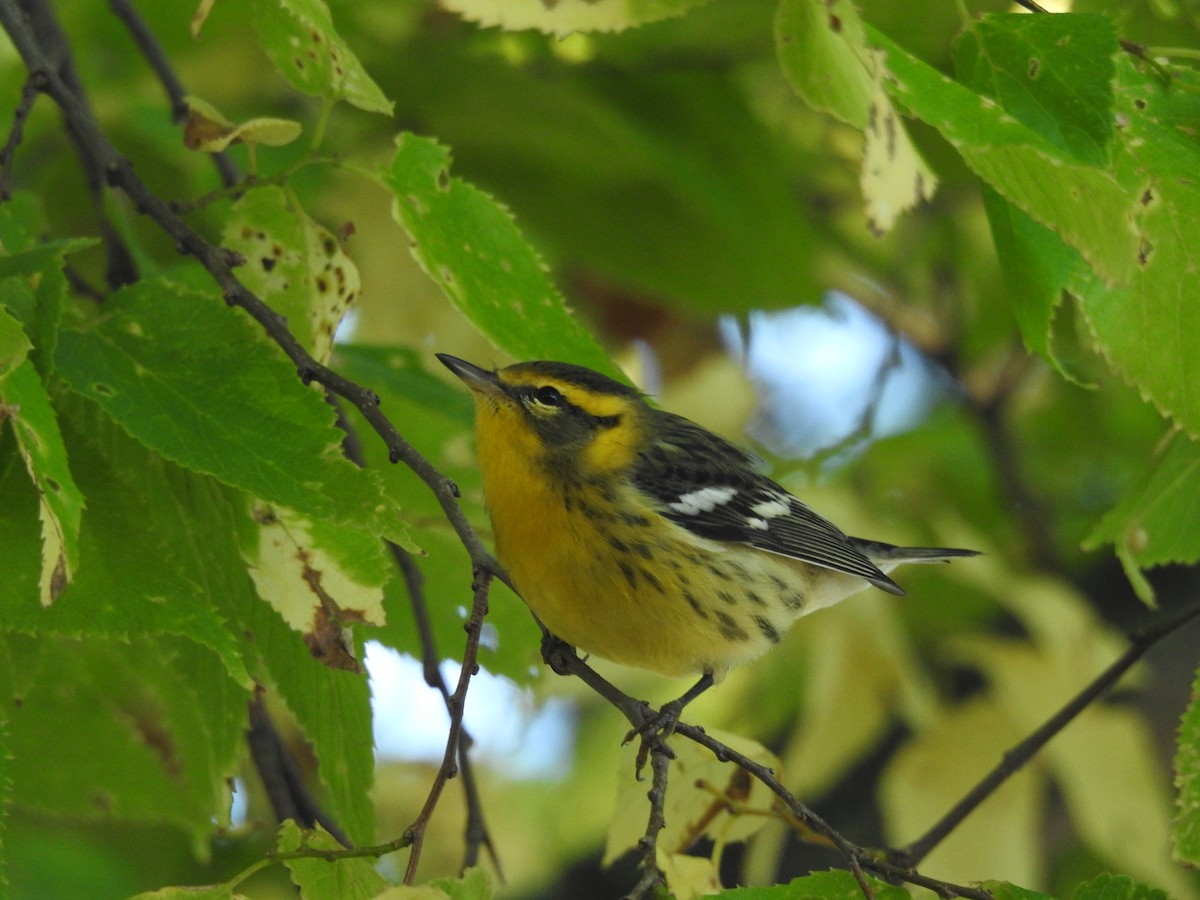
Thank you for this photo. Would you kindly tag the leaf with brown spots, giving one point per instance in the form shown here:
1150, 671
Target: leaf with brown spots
299, 37
321, 577
294, 264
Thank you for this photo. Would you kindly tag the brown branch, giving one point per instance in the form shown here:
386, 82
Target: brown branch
1018, 756
152, 50
42, 36
457, 706
16, 134
476, 833
652, 875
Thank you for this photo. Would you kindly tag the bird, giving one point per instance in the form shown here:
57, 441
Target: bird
641, 537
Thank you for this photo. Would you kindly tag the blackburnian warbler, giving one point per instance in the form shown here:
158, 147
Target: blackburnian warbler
643, 538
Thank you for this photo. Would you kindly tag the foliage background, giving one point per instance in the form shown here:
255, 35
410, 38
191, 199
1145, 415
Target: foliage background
703, 165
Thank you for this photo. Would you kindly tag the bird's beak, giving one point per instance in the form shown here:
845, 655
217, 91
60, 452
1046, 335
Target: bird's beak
479, 380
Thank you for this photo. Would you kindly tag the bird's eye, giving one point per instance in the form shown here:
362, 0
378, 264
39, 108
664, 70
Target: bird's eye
548, 396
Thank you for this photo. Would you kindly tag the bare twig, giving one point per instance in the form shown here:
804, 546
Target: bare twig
652, 876
151, 49
41, 35
458, 700
1019, 755
16, 134
475, 833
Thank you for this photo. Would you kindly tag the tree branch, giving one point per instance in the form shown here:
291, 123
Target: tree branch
16, 134
1016, 757
457, 706
42, 37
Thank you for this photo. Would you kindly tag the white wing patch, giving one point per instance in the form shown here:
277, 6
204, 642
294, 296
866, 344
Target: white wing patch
770, 509
704, 500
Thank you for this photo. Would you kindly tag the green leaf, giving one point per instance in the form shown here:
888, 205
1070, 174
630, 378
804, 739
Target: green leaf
14, 346
160, 734
35, 289
835, 884
1187, 782
1153, 524
1085, 205
1116, 887
5, 789
156, 547
319, 879
1038, 267
470, 246
564, 17
824, 55
299, 37
475, 884
332, 706
1146, 330
821, 49
1004, 890
25, 404
293, 264
1051, 73
191, 892
192, 380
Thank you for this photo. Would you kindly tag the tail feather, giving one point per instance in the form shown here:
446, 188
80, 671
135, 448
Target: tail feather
878, 552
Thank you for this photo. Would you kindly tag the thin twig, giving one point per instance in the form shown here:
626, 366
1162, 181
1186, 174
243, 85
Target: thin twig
652, 875
458, 701
475, 832
1019, 755
152, 50
41, 35
16, 134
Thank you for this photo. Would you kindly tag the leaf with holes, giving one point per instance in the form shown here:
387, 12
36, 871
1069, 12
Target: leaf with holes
1084, 204
1147, 329
825, 57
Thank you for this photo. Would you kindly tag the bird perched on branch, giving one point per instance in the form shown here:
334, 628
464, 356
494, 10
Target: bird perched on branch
643, 538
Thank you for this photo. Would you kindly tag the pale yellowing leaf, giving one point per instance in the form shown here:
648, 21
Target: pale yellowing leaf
201, 16
295, 264
894, 176
931, 773
320, 577
689, 876
207, 130
858, 660
563, 17
705, 798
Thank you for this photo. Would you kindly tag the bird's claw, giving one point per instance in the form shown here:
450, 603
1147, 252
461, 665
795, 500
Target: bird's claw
654, 730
